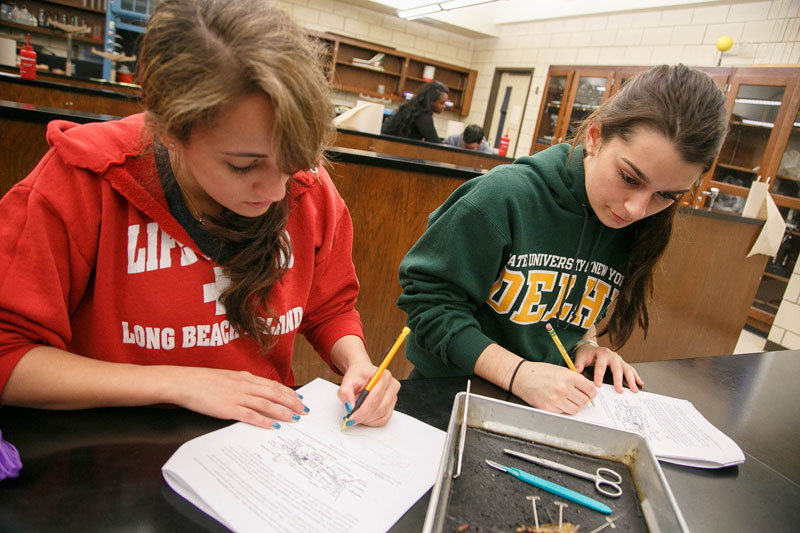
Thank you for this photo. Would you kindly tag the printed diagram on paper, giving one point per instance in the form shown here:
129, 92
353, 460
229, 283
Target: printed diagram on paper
632, 417
319, 467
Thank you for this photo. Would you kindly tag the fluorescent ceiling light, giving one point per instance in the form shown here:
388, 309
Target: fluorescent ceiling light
430, 9
418, 11
455, 4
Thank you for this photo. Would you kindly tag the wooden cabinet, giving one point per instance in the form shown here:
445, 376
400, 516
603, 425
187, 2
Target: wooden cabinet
574, 91
571, 94
763, 144
393, 74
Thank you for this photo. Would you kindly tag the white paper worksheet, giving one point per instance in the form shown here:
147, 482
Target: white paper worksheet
674, 429
309, 475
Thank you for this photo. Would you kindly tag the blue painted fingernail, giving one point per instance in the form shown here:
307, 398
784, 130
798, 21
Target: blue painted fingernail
276, 425
295, 417
306, 409
344, 417
299, 395
350, 423
348, 407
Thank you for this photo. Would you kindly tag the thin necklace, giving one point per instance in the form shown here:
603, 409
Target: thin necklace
197, 214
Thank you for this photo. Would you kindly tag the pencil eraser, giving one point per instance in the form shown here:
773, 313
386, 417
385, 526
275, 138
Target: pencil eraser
548, 327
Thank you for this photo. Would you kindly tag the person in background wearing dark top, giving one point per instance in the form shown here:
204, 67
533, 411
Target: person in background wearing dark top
471, 139
414, 119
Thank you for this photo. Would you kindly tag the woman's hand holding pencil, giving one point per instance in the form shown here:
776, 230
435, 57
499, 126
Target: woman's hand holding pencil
369, 392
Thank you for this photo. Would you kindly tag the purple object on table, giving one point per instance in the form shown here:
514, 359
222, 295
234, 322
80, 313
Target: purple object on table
10, 464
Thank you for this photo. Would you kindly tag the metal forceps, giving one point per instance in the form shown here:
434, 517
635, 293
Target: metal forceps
606, 481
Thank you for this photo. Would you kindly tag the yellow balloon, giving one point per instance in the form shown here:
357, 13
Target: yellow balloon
724, 43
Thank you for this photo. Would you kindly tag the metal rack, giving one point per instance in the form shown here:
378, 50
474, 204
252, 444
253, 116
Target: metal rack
130, 15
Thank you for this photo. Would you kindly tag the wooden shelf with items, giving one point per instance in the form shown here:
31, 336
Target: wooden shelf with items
92, 6
391, 72
72, 12
24, 28
763, 144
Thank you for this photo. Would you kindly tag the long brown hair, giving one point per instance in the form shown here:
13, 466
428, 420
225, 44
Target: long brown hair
198, 56
686, 106
402, 120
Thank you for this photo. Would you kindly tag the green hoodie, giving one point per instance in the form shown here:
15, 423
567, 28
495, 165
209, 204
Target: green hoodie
494, 264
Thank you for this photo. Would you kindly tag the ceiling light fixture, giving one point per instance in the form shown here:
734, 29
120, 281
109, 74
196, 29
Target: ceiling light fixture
417, 12
423, 11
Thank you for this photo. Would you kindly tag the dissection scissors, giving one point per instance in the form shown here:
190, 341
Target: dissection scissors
606, 481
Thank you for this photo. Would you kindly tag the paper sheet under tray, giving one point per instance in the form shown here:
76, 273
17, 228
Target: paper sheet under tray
486, 499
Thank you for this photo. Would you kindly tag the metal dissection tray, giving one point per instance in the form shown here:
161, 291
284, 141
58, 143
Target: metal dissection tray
485, 499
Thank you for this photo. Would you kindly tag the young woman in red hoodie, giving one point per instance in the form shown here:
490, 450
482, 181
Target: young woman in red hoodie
173, 256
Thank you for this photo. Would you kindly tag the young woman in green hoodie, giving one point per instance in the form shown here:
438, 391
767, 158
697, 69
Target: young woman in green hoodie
555, 238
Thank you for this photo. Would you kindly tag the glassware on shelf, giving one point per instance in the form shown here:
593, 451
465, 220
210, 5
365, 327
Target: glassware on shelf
555, 95
752, 121
788, 179
588, 97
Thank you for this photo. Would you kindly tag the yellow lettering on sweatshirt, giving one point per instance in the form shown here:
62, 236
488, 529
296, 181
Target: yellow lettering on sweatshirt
531, 311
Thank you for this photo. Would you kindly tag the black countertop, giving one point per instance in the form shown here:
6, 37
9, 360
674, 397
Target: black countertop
99, 469
44, 114
364, 157
425, 144
109, 91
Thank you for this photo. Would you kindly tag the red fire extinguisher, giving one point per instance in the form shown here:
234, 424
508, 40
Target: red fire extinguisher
27, 61
502, 150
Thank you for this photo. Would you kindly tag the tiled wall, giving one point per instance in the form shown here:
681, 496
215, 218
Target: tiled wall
786, 328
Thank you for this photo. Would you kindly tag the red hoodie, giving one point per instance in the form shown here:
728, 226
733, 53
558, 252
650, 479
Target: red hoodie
92, 262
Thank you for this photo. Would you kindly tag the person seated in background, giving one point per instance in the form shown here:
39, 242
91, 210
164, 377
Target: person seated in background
471, 139
414, 118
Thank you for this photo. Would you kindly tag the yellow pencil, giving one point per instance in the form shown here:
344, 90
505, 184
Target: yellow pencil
377, 375
561, 350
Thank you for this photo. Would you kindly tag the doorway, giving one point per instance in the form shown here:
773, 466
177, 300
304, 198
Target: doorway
506, 109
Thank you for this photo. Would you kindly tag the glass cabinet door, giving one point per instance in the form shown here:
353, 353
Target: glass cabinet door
552, 108
751, 125
589, 90
787, 179
786, 193
784, 190
551, 114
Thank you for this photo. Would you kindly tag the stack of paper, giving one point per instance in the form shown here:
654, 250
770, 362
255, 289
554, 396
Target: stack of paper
674, 429
310, 475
